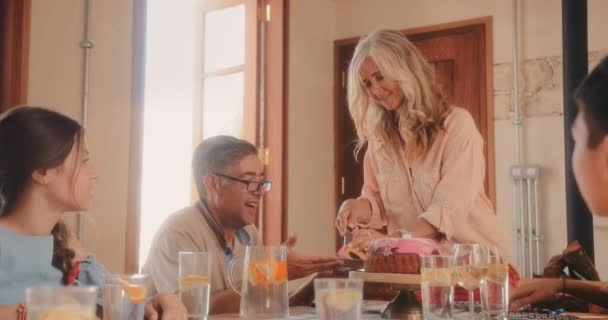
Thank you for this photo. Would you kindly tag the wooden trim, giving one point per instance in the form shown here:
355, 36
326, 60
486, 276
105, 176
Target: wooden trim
274, 129
136, 137
225, 71
337, 131
425, 29
447, 26
212, 5
285, 136
394, 278
346, 41
14, 52
251, 128
24, 56
491, 143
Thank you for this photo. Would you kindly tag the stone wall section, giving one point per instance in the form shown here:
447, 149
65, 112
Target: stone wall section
540, 86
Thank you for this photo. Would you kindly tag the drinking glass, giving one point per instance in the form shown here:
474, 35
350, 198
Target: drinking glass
194, 284
470, 268
437, 286
65, 303
495, 288
338, 299
124, 296
263, 286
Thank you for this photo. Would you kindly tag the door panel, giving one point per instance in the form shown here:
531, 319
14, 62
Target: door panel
444, 71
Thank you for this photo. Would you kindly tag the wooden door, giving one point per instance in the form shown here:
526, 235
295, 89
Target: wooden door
14, 52
461, 55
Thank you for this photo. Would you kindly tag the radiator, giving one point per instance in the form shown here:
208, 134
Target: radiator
527, 236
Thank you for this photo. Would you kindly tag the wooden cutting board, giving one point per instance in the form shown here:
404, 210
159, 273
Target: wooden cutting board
392, 278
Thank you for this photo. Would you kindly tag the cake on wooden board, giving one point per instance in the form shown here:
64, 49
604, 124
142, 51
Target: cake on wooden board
393, 255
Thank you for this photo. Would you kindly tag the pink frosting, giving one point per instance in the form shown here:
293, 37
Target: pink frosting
342, 253
388, 246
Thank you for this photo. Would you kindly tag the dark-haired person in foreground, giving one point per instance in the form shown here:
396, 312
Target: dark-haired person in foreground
590, 166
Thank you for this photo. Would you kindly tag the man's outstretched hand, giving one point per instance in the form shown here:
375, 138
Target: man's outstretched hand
301, 265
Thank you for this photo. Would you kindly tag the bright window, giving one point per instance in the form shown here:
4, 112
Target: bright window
174, 82
224, 82
224, 38
168, 109
223, 105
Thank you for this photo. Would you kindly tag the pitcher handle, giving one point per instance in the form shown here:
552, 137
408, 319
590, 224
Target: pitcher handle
231, 270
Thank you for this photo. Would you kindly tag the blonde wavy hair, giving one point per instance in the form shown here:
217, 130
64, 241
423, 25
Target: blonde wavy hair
421, 116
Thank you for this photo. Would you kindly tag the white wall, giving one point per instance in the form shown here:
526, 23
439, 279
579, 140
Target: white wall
55, 80
543, 135
310, 124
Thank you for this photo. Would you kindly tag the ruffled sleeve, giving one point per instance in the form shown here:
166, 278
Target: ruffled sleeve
371, 192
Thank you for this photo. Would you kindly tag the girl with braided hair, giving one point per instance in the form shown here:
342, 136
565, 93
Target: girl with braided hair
45, 170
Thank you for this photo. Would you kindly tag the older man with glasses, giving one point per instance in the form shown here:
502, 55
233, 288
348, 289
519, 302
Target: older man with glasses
230, 180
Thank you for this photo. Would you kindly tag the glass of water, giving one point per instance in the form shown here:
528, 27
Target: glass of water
469, 270
65, 303
495, 288
338, 299
194, 284
437, 286
125, 296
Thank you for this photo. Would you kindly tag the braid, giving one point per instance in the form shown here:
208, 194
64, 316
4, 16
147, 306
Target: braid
62, 254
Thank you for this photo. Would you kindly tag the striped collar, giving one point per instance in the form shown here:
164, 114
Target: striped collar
241, 234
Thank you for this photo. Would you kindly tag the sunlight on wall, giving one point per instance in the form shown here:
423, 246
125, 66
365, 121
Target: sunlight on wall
171, 87
169, 100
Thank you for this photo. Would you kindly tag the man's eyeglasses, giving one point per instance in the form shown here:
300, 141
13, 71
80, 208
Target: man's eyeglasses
252, 186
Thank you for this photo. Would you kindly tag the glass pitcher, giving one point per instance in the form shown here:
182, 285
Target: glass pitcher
264, 282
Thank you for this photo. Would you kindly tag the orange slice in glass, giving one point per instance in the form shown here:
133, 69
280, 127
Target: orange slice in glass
498, 272
342, 299
498, 268
136, 292
257, 274
439, 277
192, 281
278, 272
267, 272
254, 278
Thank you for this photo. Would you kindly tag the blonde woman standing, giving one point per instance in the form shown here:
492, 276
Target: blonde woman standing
424, 167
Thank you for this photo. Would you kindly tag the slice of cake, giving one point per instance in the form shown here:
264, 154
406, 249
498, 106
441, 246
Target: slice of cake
392, 255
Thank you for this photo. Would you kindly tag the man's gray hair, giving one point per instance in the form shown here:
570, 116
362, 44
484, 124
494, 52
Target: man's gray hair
216, 154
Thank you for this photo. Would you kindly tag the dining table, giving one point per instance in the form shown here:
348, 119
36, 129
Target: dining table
371, 311
308, 313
